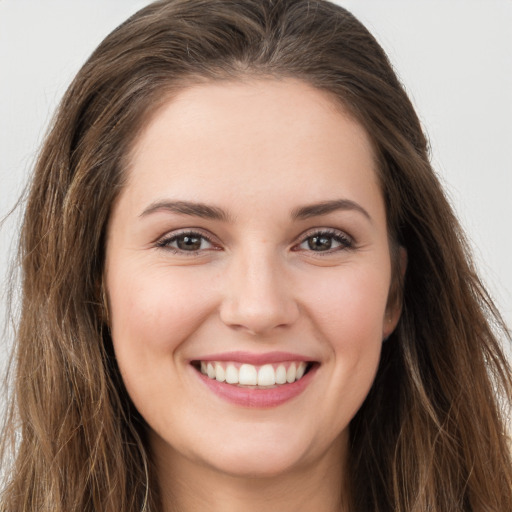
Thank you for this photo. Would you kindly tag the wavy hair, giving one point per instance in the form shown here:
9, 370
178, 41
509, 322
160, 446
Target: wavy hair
431, 434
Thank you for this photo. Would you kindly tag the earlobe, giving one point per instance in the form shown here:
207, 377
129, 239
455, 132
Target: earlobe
389, 325
395, 299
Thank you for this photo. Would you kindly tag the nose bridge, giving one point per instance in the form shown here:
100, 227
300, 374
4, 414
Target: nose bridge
257, 294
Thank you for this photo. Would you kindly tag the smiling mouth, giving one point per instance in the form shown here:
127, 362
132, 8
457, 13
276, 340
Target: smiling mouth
246, 375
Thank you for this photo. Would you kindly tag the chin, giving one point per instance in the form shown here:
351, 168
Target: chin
264, 455
261, 465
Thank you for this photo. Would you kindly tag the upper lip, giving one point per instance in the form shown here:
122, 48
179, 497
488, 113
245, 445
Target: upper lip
254, 359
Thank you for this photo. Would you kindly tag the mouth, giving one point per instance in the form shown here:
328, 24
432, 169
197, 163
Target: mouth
246, 375
263, 384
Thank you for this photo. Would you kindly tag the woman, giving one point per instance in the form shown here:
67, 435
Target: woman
243, 286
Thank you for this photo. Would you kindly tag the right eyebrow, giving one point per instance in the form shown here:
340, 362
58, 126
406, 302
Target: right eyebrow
202, 210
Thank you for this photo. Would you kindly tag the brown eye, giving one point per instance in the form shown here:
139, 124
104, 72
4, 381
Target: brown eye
185, 242
189, 242
320, 243
326, 242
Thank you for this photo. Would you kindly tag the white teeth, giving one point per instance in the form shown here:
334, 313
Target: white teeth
250, 375
247, 375
300, 371
280, 374
220, 374
266, 375
291, 373
231, 374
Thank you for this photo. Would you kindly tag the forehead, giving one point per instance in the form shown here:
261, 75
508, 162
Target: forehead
248, 138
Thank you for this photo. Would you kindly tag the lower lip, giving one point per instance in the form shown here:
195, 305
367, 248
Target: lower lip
258, 398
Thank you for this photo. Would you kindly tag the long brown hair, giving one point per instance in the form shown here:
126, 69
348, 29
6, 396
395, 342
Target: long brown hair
431, 435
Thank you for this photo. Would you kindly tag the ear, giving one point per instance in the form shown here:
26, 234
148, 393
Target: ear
394, 305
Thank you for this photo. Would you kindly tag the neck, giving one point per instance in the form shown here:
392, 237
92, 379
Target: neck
187, 486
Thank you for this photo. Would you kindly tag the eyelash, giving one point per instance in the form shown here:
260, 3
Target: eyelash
345, 242
165, 242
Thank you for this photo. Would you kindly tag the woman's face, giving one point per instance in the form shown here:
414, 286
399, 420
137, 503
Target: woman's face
248, 247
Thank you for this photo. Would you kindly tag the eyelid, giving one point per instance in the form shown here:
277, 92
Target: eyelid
162, 241
347, 242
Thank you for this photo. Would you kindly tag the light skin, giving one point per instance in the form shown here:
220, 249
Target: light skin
287, 251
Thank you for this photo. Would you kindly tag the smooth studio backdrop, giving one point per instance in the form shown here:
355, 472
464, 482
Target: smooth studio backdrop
454, 57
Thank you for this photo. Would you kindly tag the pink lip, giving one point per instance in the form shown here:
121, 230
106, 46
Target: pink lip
254, 359
259, 398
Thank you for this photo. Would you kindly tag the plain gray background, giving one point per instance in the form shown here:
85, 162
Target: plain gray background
454, 57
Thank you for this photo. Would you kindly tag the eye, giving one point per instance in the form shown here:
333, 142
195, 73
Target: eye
326, 241
188, 241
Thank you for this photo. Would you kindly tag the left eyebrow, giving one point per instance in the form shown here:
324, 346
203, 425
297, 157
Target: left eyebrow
326, 207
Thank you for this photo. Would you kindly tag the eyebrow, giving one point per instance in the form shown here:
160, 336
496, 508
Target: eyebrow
326, 207
206, 211
187, 208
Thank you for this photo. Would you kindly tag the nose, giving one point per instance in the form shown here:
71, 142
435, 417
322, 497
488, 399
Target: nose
258, 296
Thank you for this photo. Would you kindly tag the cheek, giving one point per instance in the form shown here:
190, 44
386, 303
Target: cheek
349, 314
350, 306
153, 311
